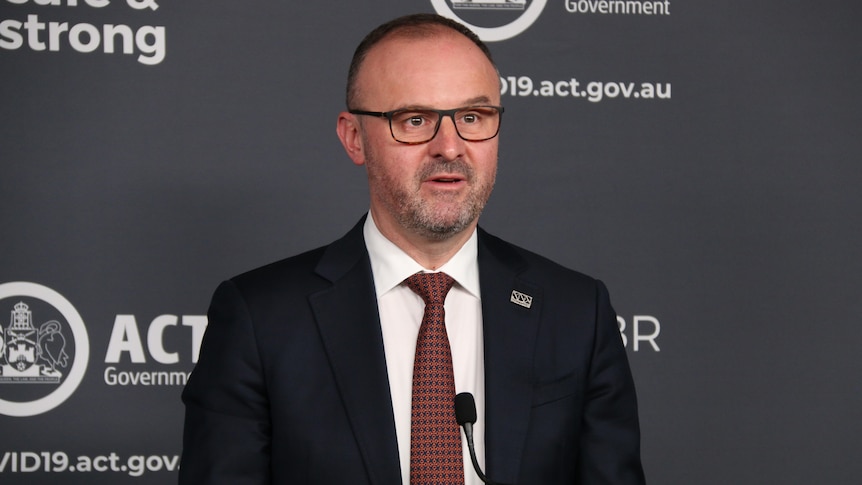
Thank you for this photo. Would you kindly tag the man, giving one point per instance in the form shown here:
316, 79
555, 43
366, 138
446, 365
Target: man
306, 371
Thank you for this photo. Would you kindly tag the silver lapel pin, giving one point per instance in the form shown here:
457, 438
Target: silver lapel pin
521, 299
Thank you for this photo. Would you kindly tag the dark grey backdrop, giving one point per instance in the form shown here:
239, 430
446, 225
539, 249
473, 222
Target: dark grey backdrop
729, 213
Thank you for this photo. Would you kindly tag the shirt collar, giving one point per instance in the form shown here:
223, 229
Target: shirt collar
390, 265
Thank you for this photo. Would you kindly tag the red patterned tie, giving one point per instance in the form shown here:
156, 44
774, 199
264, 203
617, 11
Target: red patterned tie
435, 439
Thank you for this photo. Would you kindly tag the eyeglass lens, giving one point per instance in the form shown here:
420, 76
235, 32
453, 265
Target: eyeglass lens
474, 123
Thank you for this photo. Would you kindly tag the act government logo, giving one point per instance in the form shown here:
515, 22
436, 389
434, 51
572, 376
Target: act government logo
44, 349
492, 20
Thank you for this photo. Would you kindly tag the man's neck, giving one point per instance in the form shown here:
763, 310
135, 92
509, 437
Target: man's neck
430, 253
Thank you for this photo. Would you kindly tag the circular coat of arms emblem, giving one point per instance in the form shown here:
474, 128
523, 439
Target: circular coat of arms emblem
47, 356
493, 34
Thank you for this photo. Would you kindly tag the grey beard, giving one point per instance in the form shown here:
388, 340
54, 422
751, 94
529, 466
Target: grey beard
438, 230
419, 218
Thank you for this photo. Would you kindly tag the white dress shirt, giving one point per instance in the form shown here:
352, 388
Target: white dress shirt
401, 313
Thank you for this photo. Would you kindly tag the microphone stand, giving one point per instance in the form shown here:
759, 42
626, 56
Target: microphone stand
465, 414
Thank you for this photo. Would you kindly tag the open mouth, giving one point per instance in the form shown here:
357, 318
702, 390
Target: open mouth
446, 179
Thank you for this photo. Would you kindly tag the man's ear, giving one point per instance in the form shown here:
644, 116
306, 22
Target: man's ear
348, 130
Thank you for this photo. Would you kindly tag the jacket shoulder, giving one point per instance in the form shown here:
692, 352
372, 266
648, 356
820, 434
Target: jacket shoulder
308, 270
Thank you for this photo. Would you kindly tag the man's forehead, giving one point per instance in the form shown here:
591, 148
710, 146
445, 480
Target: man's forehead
430, 67
441, 50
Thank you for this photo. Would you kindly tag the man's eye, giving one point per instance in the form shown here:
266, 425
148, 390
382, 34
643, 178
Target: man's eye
412, 119
470, 118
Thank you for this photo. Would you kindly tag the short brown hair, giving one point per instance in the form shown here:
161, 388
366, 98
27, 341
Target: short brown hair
414, 25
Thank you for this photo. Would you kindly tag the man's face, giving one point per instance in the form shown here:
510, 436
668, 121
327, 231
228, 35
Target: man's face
436, 189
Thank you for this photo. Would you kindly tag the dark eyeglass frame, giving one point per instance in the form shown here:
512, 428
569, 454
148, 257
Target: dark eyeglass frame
441, 114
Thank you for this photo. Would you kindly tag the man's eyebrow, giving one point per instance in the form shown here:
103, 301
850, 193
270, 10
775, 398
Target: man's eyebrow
479, 100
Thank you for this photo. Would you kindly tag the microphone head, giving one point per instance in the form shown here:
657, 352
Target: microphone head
465, 408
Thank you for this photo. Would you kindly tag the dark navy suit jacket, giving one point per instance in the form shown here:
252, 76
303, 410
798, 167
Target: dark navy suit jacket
291, 385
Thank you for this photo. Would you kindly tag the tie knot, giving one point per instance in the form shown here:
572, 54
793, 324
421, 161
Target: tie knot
432, 287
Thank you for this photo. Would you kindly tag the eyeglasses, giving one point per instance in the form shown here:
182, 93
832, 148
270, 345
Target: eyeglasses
416, 126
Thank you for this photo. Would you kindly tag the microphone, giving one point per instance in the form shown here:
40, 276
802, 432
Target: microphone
465, 414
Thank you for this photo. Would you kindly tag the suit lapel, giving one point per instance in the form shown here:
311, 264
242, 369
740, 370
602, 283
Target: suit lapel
350, 329
509, 336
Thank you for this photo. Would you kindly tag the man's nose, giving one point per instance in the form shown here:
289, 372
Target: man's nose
447, 143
